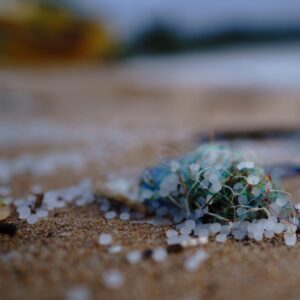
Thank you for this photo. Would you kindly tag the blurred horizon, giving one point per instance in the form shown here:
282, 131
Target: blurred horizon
179, 25
160, 43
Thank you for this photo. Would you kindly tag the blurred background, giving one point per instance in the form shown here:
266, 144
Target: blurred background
95, 88
123, 75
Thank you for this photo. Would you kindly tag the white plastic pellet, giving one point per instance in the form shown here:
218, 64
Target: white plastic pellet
203, 240
115, 249
290, 239
243, 200
193, 262
245, 165
171, 233
281, 201
159, 254
124, 216
134, 257
226, 229
215, 228
110, 215
191, 224
203, 233
278, 228
253, 180
269, 234
113, 279
173, 240
221, 238
216, 187
105, 239
32, 219
78, 293
41, 213
185, 230
258, 235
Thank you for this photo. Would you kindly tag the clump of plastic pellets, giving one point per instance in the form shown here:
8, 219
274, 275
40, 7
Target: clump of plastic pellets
214, 184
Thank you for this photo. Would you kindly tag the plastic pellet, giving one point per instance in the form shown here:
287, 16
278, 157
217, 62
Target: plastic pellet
113, 279
105, 239
134, 257
159, 254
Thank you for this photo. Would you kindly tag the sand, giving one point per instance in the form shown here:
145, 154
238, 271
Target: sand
45, 260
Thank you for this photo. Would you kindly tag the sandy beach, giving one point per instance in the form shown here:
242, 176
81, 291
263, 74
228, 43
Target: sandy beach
105, 123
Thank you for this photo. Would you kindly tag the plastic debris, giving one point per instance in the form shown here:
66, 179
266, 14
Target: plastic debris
78, 293
134, 257
113, 279
110, 215
105, 239
290, 239
124, 216
221, 238
159, 254
193, 262
79, 194
211, 192
115, 249
32, 219
171, 233
214, 184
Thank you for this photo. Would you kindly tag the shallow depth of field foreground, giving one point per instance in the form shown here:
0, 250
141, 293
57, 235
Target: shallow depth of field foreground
149, 150
55, 135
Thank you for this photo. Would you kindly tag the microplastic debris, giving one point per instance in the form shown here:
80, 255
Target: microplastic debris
134, 256
173, 240
159, 254
203, 240
105, 239
269, 234
171, 233
78, 293
217, 186
113, 279
215, 228
41, 213
191, 224
110, 215
245, 165
221, 238
32, 219
115, 249
290, 239
193, 262
80, 194
124, 216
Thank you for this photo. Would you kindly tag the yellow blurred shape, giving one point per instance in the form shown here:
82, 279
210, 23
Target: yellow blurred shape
40, 33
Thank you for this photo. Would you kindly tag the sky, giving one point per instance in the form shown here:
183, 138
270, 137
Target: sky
127, 17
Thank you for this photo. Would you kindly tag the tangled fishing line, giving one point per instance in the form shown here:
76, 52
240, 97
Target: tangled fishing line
212, 191
215, 184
